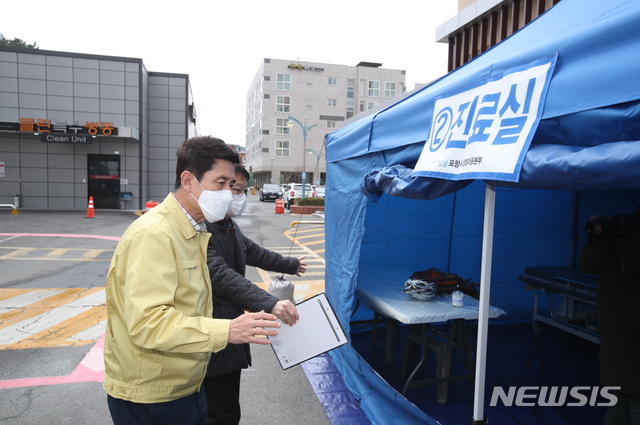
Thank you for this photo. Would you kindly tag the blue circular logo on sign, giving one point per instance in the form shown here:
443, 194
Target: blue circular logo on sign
442, 125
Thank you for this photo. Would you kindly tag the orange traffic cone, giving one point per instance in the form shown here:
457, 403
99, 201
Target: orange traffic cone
90, 212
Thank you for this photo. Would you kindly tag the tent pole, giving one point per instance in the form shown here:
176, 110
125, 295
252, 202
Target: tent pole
483, 313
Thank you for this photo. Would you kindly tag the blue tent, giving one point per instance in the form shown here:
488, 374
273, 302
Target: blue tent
584, 159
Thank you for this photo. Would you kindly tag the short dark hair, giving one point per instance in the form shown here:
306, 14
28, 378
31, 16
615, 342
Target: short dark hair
241, 170
199, 154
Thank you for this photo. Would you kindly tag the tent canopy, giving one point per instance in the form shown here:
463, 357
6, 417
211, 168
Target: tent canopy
585, 154
591, 110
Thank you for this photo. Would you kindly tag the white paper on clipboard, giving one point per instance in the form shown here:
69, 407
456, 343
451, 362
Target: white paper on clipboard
317, 332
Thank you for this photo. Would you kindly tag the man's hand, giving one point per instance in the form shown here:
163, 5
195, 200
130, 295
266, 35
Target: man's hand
286, 311
247, 327
302, 267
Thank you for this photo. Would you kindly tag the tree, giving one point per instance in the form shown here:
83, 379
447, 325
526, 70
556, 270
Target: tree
16, 42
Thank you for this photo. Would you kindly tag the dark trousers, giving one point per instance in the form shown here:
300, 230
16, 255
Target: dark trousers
625, 412
223, 398
190, 410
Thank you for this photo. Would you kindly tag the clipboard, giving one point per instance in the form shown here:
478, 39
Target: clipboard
317, 332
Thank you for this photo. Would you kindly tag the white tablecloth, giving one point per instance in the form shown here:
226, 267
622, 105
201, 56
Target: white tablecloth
382, 290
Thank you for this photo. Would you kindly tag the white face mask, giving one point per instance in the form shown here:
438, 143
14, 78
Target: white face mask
214, 204
237, 206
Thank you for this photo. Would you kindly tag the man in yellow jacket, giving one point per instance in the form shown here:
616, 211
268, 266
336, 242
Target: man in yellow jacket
160, 330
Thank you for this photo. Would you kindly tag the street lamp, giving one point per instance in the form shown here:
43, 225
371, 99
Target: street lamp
312, 152
305, 129
271, 170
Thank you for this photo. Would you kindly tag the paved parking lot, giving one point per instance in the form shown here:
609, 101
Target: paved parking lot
52, 316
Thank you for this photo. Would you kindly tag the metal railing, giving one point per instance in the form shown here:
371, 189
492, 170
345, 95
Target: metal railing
14, 210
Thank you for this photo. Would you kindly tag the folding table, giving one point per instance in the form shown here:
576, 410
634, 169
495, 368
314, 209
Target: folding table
382, 290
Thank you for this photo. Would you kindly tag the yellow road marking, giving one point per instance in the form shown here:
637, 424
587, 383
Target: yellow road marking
56, 336
307, 230
17, 252
57, 252
54, 254
7, 293
93, 253
311, 243
309, 236
19, 314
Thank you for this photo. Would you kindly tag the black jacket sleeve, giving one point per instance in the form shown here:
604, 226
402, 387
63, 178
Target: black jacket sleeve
235, 289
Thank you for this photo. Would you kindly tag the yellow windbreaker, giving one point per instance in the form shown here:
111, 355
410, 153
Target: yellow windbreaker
160, 330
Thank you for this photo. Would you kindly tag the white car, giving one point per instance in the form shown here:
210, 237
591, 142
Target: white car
320, 191
294, 190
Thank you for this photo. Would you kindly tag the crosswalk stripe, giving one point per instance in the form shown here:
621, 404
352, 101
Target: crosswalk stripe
59, 334
15, 298
90, 334
43, 305
48, 312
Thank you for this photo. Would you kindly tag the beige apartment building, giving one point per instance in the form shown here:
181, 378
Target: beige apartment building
292, 105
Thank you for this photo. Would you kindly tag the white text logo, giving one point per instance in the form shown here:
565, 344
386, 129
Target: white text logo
554, 396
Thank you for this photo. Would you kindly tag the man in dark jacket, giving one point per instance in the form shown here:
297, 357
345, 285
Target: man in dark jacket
612, 251
229, 252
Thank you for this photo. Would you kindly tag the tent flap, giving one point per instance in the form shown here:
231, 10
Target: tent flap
545, 167
398, 181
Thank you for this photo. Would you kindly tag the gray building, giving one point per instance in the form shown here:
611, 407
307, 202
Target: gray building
319, 98
77, 125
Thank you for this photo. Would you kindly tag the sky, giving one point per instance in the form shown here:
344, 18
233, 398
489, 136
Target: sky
221, 44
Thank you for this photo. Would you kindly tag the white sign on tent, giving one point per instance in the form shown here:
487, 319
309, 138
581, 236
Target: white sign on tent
483, 131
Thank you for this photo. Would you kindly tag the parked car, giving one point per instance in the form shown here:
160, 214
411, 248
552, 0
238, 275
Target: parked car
270, 192
294, 190
320, 191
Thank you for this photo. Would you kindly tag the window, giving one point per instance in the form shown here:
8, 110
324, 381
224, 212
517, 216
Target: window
309, 106
371, 105
283, 103
332, 103
281, 126
374, 88
331, 124
389, 89
282, 148
351, 95
309, 84
332, 81
283, 81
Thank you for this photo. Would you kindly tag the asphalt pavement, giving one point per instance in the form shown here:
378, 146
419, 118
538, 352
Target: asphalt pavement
44, 382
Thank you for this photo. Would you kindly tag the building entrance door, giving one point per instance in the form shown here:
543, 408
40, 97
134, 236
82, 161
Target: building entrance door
104, 180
